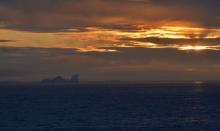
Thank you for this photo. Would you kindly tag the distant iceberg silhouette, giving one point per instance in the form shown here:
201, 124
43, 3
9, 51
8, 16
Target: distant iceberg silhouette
59, 79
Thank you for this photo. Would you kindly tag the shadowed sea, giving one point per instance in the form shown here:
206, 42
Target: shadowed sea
141, 107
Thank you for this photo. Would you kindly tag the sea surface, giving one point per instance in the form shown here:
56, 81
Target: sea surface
135, 107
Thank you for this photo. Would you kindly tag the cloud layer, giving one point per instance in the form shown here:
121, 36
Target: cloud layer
130, 64
58, 15
110, 39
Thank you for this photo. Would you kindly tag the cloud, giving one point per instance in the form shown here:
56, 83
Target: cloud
168, 55
59, 15
5, 41
180, 41
132, 64
92, 38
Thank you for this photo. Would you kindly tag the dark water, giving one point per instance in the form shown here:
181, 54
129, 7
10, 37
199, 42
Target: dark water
178, 107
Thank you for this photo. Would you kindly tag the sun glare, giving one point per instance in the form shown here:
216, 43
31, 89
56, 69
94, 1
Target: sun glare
196, 48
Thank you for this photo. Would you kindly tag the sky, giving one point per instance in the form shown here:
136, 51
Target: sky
127, 40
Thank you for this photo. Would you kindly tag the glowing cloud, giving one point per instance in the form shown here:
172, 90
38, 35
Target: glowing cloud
97, 39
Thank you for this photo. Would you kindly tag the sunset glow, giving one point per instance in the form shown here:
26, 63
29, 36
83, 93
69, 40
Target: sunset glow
110, 39
110, 65
99, 38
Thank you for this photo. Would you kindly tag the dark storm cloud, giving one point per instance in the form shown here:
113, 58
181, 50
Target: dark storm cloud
58, 15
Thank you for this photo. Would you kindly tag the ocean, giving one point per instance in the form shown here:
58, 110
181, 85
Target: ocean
106, 107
